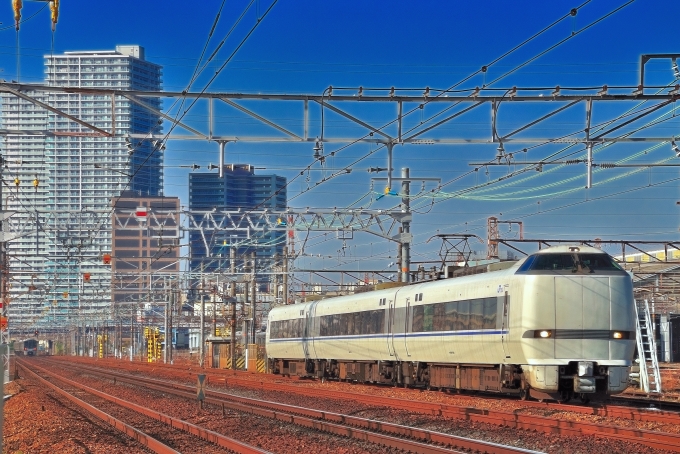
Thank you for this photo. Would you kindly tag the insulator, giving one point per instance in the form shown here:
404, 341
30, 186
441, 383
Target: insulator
17, 5
54, 7
572, 161
607, 165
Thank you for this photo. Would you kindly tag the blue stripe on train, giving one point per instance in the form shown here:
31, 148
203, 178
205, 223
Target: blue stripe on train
396, 335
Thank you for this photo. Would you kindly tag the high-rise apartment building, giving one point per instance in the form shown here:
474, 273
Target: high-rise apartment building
76, 174
239, 189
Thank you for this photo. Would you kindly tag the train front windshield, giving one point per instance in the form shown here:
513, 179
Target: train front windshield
571, 263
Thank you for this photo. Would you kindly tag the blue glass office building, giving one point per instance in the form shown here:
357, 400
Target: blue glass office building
239, 189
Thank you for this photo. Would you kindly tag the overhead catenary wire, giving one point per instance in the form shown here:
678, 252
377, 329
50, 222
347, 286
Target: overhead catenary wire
483, 69
509, 52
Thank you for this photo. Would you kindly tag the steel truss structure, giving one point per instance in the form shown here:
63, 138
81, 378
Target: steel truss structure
452, 105
162, 224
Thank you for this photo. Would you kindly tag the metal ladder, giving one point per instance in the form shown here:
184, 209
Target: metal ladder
650, 377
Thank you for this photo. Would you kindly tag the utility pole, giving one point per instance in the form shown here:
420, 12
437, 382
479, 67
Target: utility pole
213, 297
172, 309
253, 283
404, 237
245, 302
166, 336
405, 225
132, 332
232, 293
201, 340
285, 275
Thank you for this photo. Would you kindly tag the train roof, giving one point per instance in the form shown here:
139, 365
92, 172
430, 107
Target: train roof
562, 248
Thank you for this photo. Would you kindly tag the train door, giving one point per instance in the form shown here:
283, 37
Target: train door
390, 330
308, 333
406, 323
505, 323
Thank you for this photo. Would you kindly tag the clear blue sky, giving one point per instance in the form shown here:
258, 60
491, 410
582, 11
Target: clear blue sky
305, 46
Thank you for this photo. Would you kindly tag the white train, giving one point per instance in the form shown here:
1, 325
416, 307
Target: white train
557, 324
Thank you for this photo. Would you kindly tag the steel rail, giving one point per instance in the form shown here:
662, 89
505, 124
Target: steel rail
144, 439
658, 440
175, 423
335, 423
655, 439
603, 410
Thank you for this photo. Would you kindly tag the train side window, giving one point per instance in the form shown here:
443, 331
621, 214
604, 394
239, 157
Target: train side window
350, 323
324, 329
439, 317
358, 323
490, 311
463, 322
417, 325
335, 325
428, 317
420, 297
379, 318
476, 314
451, 315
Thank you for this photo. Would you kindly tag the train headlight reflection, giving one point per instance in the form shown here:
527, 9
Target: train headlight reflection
544, 333
617, 335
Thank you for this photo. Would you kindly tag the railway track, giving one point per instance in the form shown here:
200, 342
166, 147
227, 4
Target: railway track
634, 413
654, 439
402, 437
174, 428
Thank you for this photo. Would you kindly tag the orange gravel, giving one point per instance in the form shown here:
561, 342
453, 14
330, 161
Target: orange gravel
38, 422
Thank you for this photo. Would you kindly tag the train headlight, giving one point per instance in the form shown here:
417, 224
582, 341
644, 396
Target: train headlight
543, 333
617, 335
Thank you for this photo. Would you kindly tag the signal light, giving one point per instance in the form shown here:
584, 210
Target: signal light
65, 294
107, 259
86, 277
